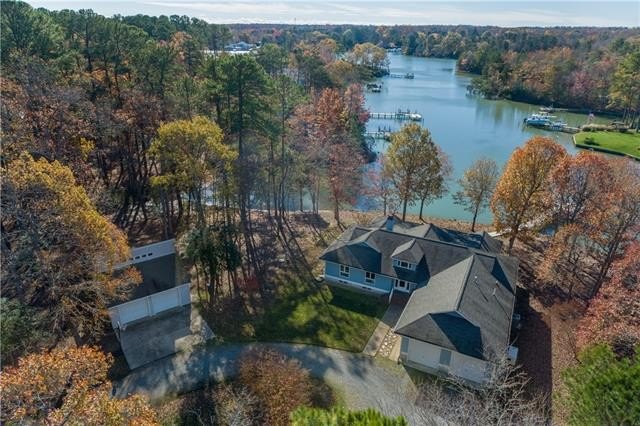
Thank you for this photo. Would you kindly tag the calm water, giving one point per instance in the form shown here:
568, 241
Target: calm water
465, 127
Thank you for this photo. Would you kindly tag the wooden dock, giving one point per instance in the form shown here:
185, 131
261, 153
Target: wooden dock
379, 135
399, 115
408, 75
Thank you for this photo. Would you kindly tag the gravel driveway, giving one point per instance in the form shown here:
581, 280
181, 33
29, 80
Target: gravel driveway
364, 382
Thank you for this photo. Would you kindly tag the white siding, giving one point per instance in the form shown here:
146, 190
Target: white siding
428, 355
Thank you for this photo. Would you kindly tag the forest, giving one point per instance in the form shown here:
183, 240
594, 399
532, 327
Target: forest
127, 129
586, 69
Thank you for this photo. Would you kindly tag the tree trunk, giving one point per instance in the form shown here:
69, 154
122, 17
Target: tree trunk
404, 209
421, 208
475, 215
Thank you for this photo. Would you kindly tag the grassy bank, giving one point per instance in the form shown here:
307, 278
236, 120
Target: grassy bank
610, 142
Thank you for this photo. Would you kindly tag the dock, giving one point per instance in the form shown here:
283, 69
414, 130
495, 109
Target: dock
379, 135
556, 127
399, 115
408, 75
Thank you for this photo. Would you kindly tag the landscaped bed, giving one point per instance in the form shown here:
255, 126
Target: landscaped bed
611, 142
305, 312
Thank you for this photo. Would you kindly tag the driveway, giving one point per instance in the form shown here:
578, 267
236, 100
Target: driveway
365, 382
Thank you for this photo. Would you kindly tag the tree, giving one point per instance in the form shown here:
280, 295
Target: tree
521, 195
58, 251
504, 399
67, 386
477, 185
603, 389
411, 157
433, 179
565, 260
21, 330
190, 154
280, 384
339, 416
625, 89
576, 188
615, 310
617, 221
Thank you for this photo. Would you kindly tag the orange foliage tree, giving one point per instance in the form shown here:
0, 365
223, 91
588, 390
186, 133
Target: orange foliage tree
67, 387
615, 311
280, 384
58, 251
521, 196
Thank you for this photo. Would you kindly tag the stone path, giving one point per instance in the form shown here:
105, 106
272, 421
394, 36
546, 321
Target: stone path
377, 340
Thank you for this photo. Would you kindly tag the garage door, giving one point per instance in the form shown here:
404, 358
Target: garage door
148, 306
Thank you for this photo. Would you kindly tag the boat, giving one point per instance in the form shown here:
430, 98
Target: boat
375, 88
414, 116
409, 75
541, 119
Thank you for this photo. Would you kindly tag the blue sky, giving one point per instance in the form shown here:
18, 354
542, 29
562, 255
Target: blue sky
502, 13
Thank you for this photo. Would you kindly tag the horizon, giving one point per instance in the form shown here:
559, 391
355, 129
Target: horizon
359, 12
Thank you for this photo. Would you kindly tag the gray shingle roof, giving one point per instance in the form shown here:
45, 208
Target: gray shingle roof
479, 293
468, 299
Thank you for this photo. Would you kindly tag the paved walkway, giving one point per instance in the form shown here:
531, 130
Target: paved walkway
377, 339
364, 381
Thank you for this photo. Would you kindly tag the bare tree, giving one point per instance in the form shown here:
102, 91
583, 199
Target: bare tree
503, 400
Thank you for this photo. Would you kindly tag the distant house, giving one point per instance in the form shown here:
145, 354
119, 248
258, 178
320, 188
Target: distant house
462, 290
240, 46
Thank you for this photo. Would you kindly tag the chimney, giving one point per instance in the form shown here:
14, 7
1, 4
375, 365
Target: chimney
390, 221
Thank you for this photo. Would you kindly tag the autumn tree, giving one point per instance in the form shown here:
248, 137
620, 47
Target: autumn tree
413, 159
280, 384
477, 185
565, 262
67, 386
520, 198
616, 223
576, 187
191, 157
433, 180
58, 251
625, 88
614, 313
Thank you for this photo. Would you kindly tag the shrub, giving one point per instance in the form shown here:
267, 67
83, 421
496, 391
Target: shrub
603, 389
280, 384
590, 141
339, 416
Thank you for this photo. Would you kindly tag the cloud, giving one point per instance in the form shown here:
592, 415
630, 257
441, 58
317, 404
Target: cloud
474, 12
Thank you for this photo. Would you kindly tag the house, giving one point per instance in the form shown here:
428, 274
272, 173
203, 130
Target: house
461, 291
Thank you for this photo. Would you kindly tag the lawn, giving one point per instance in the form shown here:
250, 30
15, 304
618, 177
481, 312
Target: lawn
303, 312
614, 142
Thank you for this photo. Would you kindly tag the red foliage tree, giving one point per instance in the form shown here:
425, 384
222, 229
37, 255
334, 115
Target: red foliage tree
615, 311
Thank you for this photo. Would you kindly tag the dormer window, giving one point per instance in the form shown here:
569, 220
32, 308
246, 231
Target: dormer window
404, 264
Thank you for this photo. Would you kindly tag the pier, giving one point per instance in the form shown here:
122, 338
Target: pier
379, 135
408, 75
399, 115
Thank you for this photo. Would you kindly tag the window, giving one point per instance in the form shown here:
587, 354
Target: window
404, 264
401, 284
344, 271
445, 357
369, 277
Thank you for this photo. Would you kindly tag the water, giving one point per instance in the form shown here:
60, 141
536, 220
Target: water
466, 127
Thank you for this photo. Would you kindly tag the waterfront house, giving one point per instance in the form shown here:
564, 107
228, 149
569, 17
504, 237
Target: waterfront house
461, 290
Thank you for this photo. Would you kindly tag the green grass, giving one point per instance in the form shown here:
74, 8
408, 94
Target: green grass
321, 315
613, 142
304, 312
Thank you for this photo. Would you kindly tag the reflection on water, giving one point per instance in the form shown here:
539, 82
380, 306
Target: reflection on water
466, 127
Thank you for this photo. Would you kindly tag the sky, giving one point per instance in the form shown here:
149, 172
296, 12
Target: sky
512, 13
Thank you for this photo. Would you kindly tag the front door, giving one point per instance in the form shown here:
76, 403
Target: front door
401, 285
